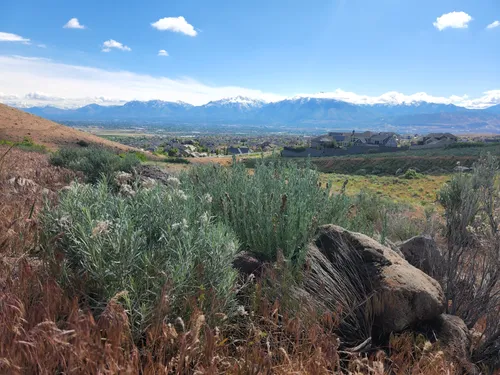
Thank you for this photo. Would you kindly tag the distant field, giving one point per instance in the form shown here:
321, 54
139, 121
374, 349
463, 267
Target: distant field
417, 192
437, 162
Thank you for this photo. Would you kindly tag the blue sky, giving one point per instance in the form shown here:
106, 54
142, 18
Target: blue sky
269, 49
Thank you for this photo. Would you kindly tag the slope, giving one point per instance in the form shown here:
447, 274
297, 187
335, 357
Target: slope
16, 124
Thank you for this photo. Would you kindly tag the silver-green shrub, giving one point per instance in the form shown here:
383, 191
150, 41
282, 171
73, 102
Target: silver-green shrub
278, 206
160, 246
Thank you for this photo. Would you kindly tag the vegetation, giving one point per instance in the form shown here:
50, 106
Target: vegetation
94, 162
137, 245
432, 161
472, 267
140, 280
26, 144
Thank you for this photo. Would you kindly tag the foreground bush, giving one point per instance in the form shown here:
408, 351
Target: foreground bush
472, 283
156, 250
94, 161
279, 206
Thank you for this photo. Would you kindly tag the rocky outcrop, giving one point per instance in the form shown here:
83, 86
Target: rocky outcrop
345, 266
422, 252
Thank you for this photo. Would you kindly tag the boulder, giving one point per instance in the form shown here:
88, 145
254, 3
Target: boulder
351, 272
247, 264
422, 252
456, 340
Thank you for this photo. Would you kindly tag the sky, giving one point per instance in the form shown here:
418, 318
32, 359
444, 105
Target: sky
72, 53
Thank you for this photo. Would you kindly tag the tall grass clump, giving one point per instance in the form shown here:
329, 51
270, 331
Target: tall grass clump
276, 208
158, 250
94, 161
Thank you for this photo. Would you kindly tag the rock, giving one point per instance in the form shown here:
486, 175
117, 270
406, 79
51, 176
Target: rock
456, 340
343, 265
422, 252
246, 264
394, 247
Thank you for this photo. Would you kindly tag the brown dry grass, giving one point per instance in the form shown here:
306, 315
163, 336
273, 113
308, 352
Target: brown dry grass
15, 125
43, 330
25, 178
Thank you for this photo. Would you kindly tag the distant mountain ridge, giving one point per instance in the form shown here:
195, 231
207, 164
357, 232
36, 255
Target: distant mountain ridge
298, 111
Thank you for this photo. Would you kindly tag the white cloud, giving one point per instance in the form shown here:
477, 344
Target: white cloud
108, 44
455, 20
79, 85
162, 52
488, 98
41, 45
8, 37
493, 25
31, 81
73, 24
175, 24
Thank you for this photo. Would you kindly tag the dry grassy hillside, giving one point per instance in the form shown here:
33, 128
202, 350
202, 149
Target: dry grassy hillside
16, 124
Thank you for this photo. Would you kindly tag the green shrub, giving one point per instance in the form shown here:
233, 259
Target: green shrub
279, 206
158, 249
94, 162
176, 160
26, 144
82, 143
411, 174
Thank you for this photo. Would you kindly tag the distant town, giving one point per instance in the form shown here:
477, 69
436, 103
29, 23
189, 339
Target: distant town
287, 145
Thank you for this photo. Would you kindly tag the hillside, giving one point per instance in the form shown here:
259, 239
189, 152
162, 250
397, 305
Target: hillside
16, 124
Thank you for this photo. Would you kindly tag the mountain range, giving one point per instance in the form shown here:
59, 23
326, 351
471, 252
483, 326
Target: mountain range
293, 112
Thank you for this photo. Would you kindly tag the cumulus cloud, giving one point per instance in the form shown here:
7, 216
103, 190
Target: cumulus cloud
8, 37
73, 24
109, 44
162, 52
175, 24
493, 25
454, 20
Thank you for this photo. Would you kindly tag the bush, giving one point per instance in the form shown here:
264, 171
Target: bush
176, 160
94, 162
411, 174
472, 283
277, 207
157, 248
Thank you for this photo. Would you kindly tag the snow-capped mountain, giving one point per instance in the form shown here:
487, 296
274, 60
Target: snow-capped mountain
240, 102
390, 109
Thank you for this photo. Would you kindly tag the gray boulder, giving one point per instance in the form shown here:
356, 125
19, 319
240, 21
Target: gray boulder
347, 271
422, 252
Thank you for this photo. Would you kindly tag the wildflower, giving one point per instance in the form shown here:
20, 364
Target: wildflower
240, 310
181, 195
205, 218
183, 225
173, 181
122, 178
148, 183
102, 227
127, 191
